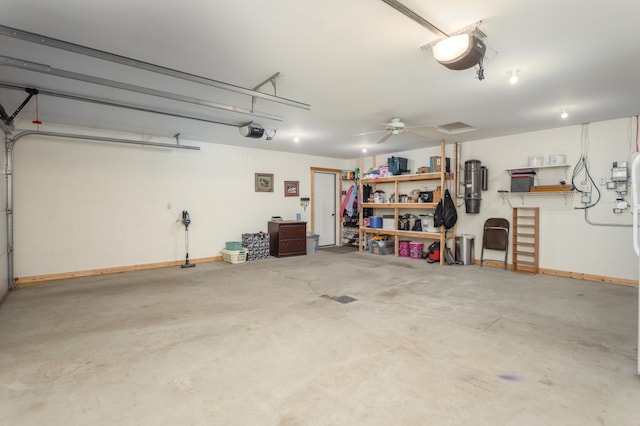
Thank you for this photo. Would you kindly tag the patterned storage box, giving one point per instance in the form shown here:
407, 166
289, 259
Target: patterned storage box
256, 245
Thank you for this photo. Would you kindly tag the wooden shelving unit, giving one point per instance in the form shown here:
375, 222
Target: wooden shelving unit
349, 233
441, 177
525, 241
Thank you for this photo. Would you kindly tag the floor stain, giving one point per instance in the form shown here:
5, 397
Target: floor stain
508, 377
340, 299
185, 384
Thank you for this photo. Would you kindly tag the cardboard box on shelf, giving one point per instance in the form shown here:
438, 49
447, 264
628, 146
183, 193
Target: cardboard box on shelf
435, 164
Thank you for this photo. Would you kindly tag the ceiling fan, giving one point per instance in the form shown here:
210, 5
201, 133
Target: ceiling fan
396, 126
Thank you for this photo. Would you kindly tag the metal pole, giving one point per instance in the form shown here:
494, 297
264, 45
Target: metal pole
100, 139
9, 208
114, 104
46, 69
123, 60
412, 15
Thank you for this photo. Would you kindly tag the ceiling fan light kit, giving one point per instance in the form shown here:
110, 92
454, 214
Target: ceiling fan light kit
396, 126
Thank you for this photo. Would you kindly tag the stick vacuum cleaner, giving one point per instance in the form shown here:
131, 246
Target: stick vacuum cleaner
186, 220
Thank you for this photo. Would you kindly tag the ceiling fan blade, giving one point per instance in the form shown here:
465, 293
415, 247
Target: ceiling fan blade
417, 134
369, 133
385, 137
426, 127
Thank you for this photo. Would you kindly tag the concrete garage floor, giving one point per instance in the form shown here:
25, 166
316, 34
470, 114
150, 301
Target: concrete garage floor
263, 343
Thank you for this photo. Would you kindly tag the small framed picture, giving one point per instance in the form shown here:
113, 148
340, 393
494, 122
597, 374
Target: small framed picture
264, 182
291, 188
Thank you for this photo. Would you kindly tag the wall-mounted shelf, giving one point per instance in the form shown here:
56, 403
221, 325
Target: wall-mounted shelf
506, 195
536, 168
400, 205
411, 234
541, 174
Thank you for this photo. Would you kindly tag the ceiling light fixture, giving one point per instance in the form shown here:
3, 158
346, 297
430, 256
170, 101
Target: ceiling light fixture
364, 150
270, 133
296, 139
564, 114
514, 76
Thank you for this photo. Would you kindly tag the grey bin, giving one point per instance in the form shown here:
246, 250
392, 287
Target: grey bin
312, 243
465, 253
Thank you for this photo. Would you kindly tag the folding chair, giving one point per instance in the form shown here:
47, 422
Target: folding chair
495, 236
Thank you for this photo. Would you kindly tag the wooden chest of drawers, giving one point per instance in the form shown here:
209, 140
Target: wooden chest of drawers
287, 238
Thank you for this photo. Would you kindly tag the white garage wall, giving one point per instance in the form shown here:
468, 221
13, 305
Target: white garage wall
89, 205
567, 242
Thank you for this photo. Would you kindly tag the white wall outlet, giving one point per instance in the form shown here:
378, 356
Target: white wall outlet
621, 187
622, 204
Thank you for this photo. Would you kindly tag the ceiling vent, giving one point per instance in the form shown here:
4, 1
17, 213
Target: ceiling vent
456, 128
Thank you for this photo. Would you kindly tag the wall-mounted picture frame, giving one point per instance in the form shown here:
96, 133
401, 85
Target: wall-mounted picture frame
264, 182
291, 188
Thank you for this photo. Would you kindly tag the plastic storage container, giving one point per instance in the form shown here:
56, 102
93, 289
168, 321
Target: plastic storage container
312, 243
381, 247
557, 159
234, 256
403, 248
233, 245
536, 161
521, 183
397, 165
375, 222
415, 250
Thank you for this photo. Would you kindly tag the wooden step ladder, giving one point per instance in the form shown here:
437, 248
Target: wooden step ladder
525, 241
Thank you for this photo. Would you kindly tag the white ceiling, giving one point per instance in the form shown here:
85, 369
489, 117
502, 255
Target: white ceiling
358, 63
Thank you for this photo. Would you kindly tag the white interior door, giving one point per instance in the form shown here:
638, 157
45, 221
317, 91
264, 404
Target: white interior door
324, 207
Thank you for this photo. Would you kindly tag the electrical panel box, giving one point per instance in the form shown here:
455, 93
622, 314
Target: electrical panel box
619, 171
